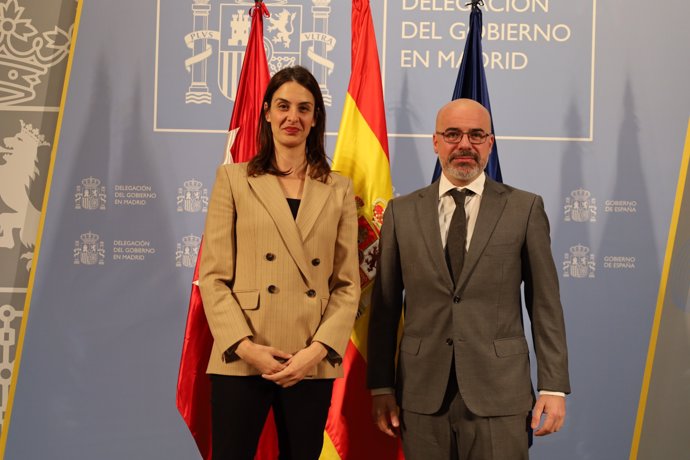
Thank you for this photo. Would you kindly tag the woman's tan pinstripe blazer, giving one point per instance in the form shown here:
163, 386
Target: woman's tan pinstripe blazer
285, 282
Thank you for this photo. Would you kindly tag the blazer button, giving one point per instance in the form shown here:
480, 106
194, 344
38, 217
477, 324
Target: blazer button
311, 293
270, 256
449, 341
456, 299
272, 289
315, 262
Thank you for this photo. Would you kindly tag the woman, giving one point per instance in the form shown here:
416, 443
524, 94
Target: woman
279, 278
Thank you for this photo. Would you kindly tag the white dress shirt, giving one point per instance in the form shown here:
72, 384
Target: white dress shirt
446, 206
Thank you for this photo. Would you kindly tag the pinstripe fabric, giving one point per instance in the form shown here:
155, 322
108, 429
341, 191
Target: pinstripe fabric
259, 265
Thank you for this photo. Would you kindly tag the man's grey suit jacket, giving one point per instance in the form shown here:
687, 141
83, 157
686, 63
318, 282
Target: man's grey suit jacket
475, 323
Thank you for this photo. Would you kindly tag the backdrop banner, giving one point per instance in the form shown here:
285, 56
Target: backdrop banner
591, 104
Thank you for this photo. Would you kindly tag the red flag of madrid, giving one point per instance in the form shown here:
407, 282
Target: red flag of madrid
193, 385
361, 153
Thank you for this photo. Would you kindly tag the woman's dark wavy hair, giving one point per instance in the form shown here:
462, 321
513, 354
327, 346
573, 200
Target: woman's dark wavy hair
264, 161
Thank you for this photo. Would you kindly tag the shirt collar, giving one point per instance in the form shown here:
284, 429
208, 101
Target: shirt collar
477, 185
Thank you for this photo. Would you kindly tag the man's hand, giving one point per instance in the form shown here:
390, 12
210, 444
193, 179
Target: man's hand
262, 357
554, 409
386, 414
299, 365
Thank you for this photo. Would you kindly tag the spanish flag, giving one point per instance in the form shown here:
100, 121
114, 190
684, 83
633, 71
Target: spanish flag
361, 153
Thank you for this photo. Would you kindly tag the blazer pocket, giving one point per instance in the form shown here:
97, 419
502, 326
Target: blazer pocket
410, 344
248, 300
324, 304
510, 346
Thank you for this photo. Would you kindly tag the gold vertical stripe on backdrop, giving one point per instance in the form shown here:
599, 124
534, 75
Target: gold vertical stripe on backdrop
644, 393
34, 263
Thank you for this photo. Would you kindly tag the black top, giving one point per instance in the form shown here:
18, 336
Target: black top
294, 206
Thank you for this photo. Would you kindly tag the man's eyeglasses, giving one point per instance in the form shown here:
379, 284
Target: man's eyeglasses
454, 136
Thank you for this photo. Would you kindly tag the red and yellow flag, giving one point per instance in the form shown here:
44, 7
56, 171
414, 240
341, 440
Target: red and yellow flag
361, 153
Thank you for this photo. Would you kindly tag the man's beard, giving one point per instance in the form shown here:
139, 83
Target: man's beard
464, 173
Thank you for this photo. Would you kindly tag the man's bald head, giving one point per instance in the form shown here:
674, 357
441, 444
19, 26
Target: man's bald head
463, 159
465, 105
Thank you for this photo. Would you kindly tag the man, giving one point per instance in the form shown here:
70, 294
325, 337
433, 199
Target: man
462, 387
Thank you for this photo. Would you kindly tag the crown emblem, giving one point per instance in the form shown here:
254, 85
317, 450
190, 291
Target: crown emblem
191, 240
579, 250
91, 182
25, 54
89, 238
33, 134
580, 194
193, 185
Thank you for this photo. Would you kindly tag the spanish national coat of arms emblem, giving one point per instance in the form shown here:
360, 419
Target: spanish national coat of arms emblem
368, 245
580, 206
192, 197
90, 195
187, 251
579, 263
286, 39
89, 249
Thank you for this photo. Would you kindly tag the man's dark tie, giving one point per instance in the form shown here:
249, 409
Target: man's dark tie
457, 234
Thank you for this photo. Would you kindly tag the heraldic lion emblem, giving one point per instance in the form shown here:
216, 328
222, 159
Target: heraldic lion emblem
282, 23
18, 169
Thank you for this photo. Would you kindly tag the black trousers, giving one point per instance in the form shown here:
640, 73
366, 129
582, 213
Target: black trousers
240, 406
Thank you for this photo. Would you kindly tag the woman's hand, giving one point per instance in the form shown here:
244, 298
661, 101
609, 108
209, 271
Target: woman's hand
297, 367
267, 360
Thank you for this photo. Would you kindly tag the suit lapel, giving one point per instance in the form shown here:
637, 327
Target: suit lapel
271, 195
494, 200
314, 198
427, 210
